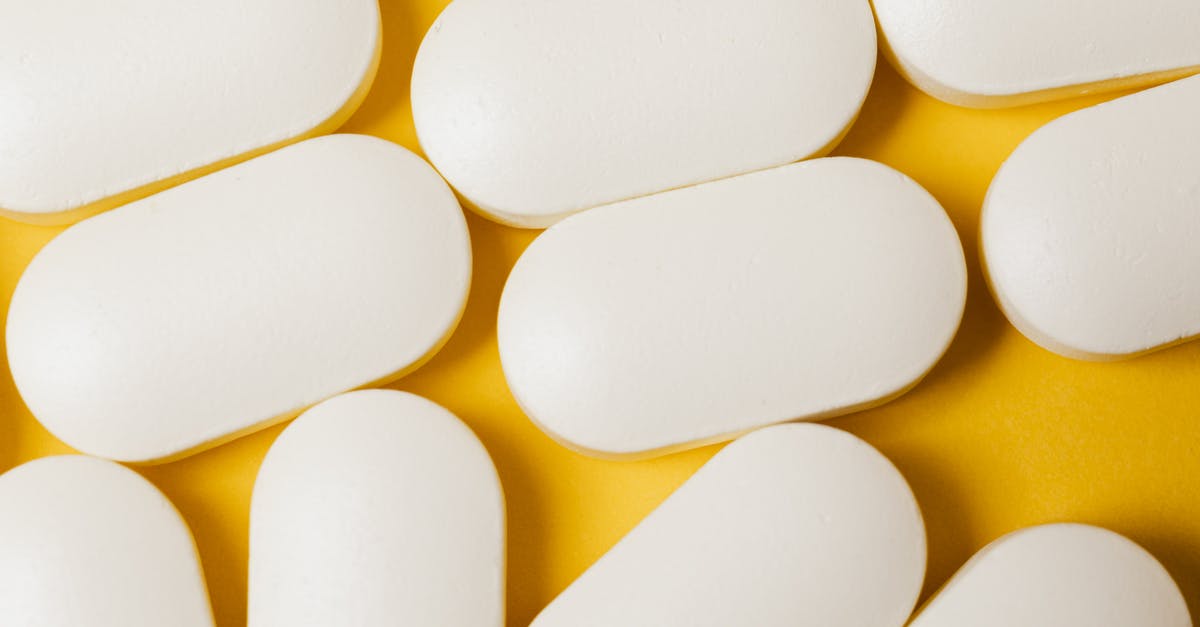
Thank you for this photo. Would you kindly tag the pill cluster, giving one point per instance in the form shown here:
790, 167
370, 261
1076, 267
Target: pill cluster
706, 275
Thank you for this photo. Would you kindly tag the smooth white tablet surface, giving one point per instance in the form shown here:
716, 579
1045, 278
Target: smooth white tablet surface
674, 320
1064, 575
790, 525
216, 307
1089, 229
377, 508
101, 99
533, 109
994, 53
85, 542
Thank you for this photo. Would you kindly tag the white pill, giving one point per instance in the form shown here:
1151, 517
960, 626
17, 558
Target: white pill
691, 316
534, 109
377, 508
106, 102
1064, 575
85, 542
1089, 229
790, 525
998, 53
214, 308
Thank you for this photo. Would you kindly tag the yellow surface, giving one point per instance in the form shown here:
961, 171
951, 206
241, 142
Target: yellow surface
1002, 434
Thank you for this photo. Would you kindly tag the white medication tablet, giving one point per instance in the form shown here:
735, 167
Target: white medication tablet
534, 109
1064, 575
377, 508
692, 316
1089, 230
999, 53
85, 542
790, 525
107, 102
217, 307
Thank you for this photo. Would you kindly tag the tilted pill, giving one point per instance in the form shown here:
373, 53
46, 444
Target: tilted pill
534, 109
217, 307
790, 525
997, 53
1089, 230
88, 542
377, 508
688, 317
1064, 575
107, 102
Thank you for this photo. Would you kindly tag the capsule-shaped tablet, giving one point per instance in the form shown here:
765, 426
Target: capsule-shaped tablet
1001, 53
1064, 575
691, 316
377, 508
1089, 229
534, 109
88, 542
790, 525
107, 102
222, 305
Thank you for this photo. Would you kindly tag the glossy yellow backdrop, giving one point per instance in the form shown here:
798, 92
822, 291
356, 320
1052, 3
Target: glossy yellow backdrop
1002, 434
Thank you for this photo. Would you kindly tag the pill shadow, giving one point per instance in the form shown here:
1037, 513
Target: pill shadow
1181, 557
494, 248
10, 407
951, 536
11, 404
19, 243
195, 485
886, 108
386, 111
919, 136
472, 352
527, 512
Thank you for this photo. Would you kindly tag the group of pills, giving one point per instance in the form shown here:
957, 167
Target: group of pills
703, 278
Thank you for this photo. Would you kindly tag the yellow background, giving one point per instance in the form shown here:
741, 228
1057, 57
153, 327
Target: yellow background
1002, 434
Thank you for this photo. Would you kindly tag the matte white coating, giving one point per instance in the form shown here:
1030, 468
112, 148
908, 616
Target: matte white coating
85, 542
1089, 229
691, 316
990, 53
1064, 575
218, 306
533, 109
790, 525
377, 508
101, 98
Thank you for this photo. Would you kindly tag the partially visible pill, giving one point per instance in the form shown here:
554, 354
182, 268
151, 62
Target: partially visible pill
1089, 229
1064, 575
998, 53
790, 525
377, 508
534, 109
692, 316
85, 542
107, 102
215, 308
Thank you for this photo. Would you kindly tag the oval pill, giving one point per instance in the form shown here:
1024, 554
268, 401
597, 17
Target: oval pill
89, 542
377, 507
107, 102
691, 316
996, 53
790, 525
214, 308
1089, 229
534, 109
1063, 575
